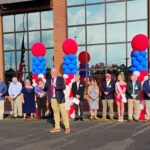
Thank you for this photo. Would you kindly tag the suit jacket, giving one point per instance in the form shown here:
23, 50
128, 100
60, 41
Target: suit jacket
137, 90
79, 91
60, 86
146, 89
110, 89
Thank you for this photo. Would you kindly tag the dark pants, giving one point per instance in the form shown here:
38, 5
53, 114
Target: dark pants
77, 110
41, 102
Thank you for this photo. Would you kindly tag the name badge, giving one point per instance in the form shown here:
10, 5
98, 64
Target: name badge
109, 86
136, 88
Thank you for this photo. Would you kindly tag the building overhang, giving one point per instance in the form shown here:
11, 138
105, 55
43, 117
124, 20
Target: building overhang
5, 2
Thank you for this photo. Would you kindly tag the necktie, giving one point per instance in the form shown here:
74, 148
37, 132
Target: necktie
52, 87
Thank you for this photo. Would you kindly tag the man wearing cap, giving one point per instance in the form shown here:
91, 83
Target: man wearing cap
108, 89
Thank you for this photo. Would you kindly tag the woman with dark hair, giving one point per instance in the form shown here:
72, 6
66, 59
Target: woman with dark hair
41, 98
93, 94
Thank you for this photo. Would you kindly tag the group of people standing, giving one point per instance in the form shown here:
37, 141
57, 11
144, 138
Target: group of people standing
24, 98
120, 92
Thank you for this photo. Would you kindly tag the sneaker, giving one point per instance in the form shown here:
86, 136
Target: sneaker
54, 130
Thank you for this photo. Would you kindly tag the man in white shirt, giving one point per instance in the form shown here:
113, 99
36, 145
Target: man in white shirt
14, 91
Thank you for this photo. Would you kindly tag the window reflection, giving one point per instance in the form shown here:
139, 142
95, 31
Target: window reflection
78, 33
33, 37
9, 42
112, 54
21, 22
96, 34
94, 1
116, 11
49, 58
116, 32
75, 2
137, 9
136, 28
8, 23
47, 19
95, 13
34, 21
76, 15
47, 38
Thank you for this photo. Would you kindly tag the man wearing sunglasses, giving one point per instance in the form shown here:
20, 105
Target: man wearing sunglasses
108, 89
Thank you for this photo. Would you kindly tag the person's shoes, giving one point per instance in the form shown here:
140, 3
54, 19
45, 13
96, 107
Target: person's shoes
130, 120
14, 117
91, 118
54, 130
112, 118
1, 118
76, 119
67, 130
20, 117
81, 119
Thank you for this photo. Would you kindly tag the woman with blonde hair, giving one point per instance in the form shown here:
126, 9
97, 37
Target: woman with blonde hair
120, 96
93, 94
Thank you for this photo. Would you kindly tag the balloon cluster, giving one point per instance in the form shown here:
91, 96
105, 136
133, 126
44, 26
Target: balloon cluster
139, 65
70, 64
38, 61
139, 56
83, 56
70, 68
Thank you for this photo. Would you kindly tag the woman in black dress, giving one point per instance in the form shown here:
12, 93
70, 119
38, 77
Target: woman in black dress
28, 97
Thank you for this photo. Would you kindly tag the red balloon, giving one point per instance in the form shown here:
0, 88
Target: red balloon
71, 76
82, 57
38, 49
143, 73
35, 77
140, 42
69, 46
140, 78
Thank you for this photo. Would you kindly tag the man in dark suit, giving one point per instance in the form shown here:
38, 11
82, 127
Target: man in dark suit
146, 89
133, 94
55, 88
108, 90
78, 92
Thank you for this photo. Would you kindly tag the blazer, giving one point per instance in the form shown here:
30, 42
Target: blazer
60, 86
79, 91
137, 90
146, 89
110, 89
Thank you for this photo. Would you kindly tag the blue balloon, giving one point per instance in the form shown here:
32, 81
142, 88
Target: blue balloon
133, 69
144, 53
74, 61
133, 59
136, 53
143, 63
43, 72
67, 62
139, 58
71, 66
135, 63
140, 68
67, 71
65, 57
37, 71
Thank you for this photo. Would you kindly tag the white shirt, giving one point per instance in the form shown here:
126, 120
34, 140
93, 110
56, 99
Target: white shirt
54, 83
78, 85
14, 89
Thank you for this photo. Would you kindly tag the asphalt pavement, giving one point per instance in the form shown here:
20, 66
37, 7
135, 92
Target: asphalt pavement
85, 135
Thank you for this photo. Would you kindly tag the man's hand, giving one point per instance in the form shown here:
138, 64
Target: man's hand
1, 94
149, 95
134, 96
106, 93
78, 96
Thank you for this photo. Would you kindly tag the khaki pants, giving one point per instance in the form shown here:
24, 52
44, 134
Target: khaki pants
1, 109
57, 109
17, 107
133, 109
147, 103
110, 103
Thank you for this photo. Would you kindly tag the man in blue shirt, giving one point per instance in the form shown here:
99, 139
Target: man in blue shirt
3, 90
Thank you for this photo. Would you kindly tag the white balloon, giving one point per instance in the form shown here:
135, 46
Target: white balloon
65, 76
137, 73
41, 76
145, 78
